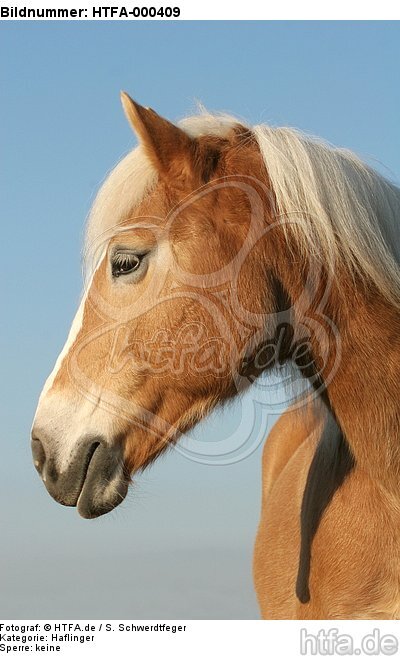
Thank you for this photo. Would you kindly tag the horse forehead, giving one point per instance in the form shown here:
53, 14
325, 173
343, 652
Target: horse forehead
163, 205
152, 210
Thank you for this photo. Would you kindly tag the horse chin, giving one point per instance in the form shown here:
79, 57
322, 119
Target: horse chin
105, 485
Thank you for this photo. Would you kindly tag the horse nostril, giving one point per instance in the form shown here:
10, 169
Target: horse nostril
38, 453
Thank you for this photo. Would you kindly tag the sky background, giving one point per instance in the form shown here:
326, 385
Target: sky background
181, 545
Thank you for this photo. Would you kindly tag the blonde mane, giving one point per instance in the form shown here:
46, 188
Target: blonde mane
339, 208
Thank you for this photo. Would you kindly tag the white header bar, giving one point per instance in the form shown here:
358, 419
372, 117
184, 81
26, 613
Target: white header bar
165, 10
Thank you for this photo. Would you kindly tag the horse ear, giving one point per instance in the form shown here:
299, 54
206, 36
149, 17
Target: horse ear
170, 149
174, 154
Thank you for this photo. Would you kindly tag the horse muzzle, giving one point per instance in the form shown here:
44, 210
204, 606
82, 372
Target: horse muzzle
94, 478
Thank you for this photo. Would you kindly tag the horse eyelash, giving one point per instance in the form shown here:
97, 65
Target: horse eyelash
121, 258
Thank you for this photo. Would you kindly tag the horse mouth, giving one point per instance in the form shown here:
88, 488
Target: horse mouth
88, 459
105, 484
95, 482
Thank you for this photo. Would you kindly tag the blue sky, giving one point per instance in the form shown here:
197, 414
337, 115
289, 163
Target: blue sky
181, 544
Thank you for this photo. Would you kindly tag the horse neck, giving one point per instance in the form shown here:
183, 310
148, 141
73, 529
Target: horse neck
364, 392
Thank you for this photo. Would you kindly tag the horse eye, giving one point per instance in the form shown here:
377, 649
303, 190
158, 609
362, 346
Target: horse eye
124, 263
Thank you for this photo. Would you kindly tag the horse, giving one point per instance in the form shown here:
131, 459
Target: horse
216, 252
